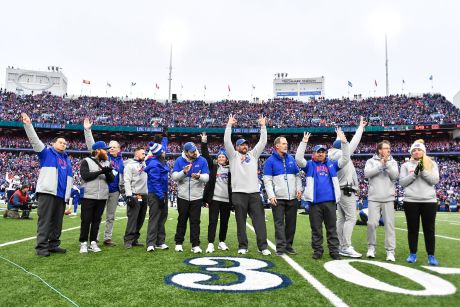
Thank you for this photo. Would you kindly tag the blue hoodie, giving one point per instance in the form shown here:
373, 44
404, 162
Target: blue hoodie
157, 177
322, 174
118, 168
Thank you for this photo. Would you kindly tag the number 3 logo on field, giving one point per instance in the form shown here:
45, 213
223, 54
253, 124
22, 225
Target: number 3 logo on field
251, 275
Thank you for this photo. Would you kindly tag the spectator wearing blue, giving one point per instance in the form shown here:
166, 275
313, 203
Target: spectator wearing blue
217, 195
75, 196
419, 177
323, 192
157, 199
116, 186
53, 187
191, 174
284, 190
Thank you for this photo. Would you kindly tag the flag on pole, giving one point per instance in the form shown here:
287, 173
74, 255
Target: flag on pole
133, 83
404, 81
86, 82
181, 86
253, 87
229, 87
205, 87
350, 84
157, 86
431, 77
109, 85
375, 82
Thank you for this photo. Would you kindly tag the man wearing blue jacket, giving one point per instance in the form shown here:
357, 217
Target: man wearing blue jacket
157, 186
53, 188
323, 192
284, 187
191, 173
115, 187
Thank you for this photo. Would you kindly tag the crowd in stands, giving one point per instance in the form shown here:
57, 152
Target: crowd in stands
113, 111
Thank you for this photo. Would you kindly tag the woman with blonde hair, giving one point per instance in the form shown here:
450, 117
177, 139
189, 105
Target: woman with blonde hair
419, 176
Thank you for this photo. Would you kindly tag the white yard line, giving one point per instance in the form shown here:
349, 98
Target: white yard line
439, 236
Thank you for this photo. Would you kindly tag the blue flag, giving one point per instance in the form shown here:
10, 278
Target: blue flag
350, 84
431, 77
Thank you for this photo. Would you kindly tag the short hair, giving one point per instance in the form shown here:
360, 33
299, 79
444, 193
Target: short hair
380, 145
54, 140
278, 140
117, 144
138, 148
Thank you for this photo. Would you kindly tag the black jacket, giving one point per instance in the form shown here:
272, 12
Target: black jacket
210, 185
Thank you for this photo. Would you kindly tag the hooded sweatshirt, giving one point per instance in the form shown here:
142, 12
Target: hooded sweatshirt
189, 188
135, 178
419, 188
381, 179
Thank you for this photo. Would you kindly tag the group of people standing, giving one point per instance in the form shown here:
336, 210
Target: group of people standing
231, 182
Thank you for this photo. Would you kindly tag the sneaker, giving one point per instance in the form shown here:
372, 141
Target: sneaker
222, 246
83, 248
371, 252
58, 250
94, 248
179, 248
73, 214
291, 251
335, 256
109, 242
162, 246
151, 248
412, 258
265, 252
135, 243
43, 253
317, 256
196, 250
349, 252
391, 256
242, 251
432, 260
128, 245
279, 253
210, 248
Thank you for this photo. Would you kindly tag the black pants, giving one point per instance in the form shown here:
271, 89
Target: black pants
50, 212
136, 217
158, 213
285, 219
427, 211
215, 208
251, 204
91, 215
319, 213
188, 210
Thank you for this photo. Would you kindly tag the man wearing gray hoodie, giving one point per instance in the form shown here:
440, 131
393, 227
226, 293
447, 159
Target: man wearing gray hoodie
382, 172
349, 185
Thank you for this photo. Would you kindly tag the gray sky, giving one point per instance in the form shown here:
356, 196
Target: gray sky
238, 43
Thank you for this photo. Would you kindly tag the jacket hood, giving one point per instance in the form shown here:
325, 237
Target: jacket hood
185, 157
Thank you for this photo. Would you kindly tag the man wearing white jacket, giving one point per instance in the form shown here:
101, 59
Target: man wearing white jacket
382, 172
349, 185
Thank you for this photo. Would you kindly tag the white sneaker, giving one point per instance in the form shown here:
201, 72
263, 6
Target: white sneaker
391, 256
242, 251
265, 252
73, 213
223, 246
210, 248
94, 248
151, 248
162, 246
84, 248
179, 248
196, 250
349, 252
371, 252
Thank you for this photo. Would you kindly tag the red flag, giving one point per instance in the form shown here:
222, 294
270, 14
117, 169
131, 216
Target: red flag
229, 87
375, 81
86, 82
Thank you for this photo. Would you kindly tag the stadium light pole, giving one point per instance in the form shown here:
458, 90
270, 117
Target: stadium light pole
386, 65
170, 72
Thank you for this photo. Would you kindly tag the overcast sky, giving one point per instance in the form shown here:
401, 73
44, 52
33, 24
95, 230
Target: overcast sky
238, 43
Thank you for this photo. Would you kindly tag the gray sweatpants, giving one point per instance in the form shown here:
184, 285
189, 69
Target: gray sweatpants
158, 214
50, 212
346, 218
285, 218
111, 207
136, 216
386, 209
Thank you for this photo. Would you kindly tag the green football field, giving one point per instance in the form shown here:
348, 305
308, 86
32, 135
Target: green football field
119, 277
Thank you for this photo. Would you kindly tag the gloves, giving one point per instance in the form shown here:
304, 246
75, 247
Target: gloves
417, 170
107, 169
130, 201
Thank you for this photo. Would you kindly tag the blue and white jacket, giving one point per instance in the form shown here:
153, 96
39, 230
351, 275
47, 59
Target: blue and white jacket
322, 182
281, 177
55, 176
188, 188
157, 177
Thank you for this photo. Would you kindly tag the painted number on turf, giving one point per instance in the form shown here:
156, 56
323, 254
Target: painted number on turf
250, 273
432, 284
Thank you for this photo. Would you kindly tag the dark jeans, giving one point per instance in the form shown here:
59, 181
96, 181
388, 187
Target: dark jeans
319, 213
136, 217
215, 208
285, 219
427, 211
188, 210
158, 213
91, 215
251, 204
50, 212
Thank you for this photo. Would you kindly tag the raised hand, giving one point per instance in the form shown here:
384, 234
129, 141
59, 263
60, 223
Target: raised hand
204, 137
341, 135
87, 124
196, 175
187, 168
231, 120
306, 137
362, 122
26, 119
262, 120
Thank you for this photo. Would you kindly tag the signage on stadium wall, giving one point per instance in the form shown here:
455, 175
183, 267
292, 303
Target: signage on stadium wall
254, 275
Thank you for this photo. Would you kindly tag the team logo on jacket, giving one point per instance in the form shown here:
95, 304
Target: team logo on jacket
62, 163
322, 170
245, 159
222, 177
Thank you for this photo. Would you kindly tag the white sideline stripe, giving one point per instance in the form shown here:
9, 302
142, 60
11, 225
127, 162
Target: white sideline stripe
32, 238
439, 236
457, 224
442, 270
42, 280
328, 294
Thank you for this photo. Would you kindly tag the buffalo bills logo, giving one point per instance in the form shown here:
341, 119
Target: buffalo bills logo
62, 163
245, 159
222, 177
322, 170
140, 169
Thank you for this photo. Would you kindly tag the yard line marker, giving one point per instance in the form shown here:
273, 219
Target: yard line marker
439, 236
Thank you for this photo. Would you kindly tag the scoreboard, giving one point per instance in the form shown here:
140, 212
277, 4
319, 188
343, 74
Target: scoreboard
298, 88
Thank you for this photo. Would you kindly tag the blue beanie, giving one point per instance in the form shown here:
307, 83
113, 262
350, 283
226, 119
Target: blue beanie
337, 144
222, 152
156, 149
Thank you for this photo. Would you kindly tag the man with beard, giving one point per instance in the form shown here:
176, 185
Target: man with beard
96, 174
53, 189
115, 187
245, 186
